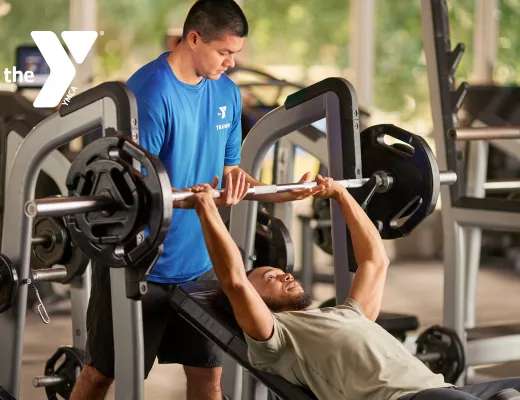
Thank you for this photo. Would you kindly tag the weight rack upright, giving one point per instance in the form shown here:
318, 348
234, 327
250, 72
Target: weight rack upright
111, 109
461, 213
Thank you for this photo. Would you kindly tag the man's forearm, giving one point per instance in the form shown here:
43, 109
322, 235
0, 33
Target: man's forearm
223, 252
366, 240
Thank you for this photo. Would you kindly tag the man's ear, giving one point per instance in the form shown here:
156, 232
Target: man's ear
193, 39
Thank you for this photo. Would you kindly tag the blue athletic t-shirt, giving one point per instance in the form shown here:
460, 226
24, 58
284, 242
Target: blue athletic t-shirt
195, 130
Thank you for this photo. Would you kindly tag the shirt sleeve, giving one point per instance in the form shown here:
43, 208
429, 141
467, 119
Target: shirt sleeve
352, 304
234, 142
152, 127
262, 354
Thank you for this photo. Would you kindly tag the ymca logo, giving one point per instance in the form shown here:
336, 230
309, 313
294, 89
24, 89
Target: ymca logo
222, 112
62, 70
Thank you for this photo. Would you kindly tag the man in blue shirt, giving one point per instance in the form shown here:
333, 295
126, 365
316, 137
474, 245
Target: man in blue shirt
189, 116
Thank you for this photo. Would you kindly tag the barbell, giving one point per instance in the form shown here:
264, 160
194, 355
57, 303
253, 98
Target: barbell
60, 206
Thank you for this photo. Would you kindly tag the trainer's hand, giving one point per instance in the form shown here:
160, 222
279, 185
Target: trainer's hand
299, 194
331, 189
234, 191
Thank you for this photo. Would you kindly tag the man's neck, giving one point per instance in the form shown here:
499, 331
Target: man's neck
181, 63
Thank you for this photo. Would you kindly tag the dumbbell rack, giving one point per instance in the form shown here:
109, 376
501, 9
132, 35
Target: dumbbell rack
461, 213
111, 109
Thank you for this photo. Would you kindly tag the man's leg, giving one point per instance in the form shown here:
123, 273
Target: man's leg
203, 383
98, 373
201, 358
488, 389
91, 384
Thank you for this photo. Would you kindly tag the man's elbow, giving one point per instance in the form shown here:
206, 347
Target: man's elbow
234, 284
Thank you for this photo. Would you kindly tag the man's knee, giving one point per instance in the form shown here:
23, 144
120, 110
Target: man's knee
206, 376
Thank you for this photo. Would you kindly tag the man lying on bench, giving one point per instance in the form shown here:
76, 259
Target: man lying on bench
337, 352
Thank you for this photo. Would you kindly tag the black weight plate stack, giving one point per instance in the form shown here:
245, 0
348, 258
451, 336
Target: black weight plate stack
416, 187
273, 243
142, 202
438, 339
8, 283
53, 250
66, 363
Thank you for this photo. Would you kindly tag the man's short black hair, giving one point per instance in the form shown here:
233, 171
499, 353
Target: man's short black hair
214, 18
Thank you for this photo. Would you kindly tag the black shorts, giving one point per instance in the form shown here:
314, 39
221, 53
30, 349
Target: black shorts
166, 335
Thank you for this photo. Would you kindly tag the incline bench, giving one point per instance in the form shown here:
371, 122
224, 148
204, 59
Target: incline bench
196, 303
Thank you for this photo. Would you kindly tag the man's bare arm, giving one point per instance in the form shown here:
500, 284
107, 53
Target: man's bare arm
369, 251
251, 313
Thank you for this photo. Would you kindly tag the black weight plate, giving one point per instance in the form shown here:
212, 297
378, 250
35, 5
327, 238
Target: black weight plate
8, 283
52, 252
143, 202
416, 187
76, 263
438, 339
68, 368
323, 235
108, 177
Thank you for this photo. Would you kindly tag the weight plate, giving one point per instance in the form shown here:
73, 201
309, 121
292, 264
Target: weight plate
142, 210
416, 187
438, 339
8, 283
51, 252
66, 363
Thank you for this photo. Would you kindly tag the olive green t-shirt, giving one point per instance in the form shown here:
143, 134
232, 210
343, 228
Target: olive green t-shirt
340, 354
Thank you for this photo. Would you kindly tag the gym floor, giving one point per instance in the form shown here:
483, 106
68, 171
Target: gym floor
412, 287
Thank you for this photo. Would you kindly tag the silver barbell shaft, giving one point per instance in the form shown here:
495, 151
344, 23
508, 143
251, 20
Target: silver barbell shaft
446, 178
60, 206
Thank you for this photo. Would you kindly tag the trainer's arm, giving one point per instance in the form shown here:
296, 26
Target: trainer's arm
250, 311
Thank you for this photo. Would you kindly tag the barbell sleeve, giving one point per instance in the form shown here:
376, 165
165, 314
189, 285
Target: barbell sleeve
47, 381
54, 274
43, 240
485, 133
60, 206
428, 357
447, 177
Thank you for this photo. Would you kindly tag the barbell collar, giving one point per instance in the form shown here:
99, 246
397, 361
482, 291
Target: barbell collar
60, 206
48, 381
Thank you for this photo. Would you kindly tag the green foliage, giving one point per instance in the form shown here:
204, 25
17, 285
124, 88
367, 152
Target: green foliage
304, 32
401, 82
508, 68
26, 16
135, 30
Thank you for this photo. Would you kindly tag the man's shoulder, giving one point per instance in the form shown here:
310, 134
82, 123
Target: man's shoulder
148, 80
224, 82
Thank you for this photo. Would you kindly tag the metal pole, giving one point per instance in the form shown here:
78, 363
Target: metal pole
362, 48
59, 206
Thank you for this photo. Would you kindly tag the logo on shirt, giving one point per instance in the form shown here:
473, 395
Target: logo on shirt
222, 112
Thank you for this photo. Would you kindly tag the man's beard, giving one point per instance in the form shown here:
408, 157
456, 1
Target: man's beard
289, 303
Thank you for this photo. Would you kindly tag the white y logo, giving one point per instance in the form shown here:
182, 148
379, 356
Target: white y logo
61, 67
222, 111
